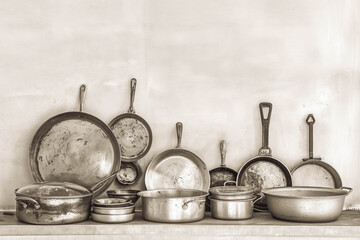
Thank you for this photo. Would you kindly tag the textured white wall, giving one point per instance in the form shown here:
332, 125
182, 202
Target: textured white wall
205, 63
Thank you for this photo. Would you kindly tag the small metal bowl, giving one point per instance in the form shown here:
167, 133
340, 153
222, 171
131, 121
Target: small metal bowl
113, 211
111, 202
124, 194
113, 218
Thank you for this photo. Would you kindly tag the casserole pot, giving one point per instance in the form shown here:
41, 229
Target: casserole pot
173, 205
233, 209
306, 204
53, 203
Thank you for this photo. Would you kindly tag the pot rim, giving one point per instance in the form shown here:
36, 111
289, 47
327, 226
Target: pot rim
283, 192
143, 194
90, 194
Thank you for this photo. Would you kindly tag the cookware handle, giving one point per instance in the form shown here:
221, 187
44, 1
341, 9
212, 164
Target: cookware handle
179, 130
223, 152
97, 185
132, 95
347, 189
229, 181
265, 122
20, 199
82, 96
186, 204
310, 120
258, 197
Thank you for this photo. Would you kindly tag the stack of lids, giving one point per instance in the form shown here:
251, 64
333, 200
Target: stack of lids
232, 192
112, 210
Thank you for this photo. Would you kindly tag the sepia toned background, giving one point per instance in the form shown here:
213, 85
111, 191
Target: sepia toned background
205, 63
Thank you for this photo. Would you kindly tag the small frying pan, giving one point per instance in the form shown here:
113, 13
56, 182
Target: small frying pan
177, 168
264, 171
75, 147
129, 173
314, 172
220, 175
132, 132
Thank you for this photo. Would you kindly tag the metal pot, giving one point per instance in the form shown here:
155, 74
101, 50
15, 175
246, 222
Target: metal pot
53, 203
233, 209
306, 204
173, 205
232, 192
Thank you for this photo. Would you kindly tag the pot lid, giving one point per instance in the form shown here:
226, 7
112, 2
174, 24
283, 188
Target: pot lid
53, 189
232, 190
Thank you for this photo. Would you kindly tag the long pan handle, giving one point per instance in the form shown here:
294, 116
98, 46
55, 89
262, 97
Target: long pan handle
179, 130
223, 152
82, 96
132, 95
310, 120
265, 121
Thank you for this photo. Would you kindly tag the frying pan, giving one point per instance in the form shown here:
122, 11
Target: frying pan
177, 168
74, 147
220, 175
132, 132
264, 171
129, 173
314, 172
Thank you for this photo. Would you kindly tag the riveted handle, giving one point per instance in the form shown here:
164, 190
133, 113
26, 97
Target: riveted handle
186, 204
132, 95
265, 122
82, 96
21, 200
223, 152
179, 130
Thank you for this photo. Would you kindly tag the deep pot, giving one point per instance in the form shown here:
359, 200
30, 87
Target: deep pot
173, 205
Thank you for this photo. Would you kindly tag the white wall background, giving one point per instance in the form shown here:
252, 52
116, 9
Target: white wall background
205, 63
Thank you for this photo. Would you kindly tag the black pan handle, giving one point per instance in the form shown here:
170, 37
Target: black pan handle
265, 121
223, 152
132, 95
82, 96
310, 120
179, 130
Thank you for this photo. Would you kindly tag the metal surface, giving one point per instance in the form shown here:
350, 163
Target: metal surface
132, 132
111, 202
314, 172
173, 205
264, 171
218, 176
117, 210
232, 192
129, 173
234, 209
124, 194
74, 147
306, 204
113, 218
177, 168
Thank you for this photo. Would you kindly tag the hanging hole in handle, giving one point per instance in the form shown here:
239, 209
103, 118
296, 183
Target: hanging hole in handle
229, 181
310, 119
265, 110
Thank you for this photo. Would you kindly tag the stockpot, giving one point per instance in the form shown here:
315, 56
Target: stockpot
172, 205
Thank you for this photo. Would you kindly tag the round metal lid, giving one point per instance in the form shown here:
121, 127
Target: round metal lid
233, 190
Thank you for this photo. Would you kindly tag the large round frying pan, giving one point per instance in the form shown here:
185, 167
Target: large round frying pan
264, 171
132, 132
75, 147
177, 168
314, 172
222, 174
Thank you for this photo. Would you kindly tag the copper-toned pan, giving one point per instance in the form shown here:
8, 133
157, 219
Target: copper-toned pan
264, 171
75, 147
314, 172
132, 132
177, 168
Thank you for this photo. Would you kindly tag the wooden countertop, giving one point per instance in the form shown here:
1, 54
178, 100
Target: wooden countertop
261, 226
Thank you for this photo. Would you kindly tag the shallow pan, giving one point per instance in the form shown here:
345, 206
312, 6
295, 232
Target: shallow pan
129, 173
113, 218
74, 147
314, 172
132, 132
306, 204
264, 171
114, 211
177, 168
124, 194
222, 174
111, 202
